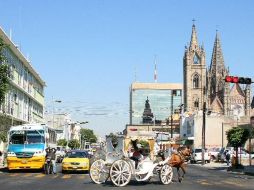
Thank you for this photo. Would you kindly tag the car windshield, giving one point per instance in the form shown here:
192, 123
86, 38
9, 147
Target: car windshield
74, 154
198, 150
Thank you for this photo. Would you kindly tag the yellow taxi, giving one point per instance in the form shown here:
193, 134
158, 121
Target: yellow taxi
76, 160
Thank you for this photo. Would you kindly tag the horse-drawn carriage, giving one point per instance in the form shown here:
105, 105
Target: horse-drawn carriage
120, 167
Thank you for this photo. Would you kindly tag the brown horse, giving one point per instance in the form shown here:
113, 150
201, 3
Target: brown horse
177, 160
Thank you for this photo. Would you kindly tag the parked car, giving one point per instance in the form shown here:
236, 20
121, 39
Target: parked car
221, 157
197, 156
77, 160
243, 154
214, 153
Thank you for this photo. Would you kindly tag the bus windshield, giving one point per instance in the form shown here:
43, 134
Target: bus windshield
27, 137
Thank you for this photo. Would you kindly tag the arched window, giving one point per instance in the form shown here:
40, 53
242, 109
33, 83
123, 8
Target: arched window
196, 81
196, 59
196, 104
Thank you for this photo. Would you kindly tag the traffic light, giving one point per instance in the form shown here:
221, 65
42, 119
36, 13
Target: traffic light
240, 80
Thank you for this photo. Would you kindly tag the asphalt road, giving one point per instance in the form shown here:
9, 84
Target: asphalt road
197, 178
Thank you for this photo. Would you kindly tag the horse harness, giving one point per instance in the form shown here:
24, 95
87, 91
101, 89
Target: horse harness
181, 155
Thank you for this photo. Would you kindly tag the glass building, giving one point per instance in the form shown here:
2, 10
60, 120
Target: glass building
161, 97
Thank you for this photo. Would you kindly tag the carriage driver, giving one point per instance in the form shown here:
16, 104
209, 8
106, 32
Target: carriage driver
137, 154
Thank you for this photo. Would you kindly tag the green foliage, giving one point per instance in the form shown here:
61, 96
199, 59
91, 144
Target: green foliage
74, 144
4, 73
88, 135
2, 46
62, 142
144, 144
237, 136
3, 136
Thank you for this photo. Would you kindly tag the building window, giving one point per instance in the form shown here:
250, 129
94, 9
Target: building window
196, 59
196, 104
196, 81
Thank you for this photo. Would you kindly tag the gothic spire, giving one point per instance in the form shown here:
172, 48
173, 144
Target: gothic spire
217, 63
194, 39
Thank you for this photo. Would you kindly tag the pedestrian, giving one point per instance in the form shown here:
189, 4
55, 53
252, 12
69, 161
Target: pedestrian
51, 153
227, 156
1, 158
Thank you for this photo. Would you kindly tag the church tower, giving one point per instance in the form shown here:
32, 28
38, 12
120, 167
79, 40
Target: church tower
218, 89
194, 69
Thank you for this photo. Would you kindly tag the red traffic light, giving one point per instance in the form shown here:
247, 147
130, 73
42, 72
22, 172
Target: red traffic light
240, 80
232, 79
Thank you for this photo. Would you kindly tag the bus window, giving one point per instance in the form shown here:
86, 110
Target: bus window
34, 137
17, 139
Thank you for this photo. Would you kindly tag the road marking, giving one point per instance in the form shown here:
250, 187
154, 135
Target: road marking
13, 175
66, 177
40, 175
205, 183
82, 176
234, 183
27, 175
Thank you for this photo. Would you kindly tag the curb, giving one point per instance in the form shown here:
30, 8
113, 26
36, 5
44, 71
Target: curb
241, 171
249, 173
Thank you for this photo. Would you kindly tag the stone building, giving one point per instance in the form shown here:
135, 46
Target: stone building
202, 84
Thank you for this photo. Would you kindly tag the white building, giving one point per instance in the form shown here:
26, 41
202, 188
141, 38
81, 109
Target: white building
215, 129
24, 102
62, 122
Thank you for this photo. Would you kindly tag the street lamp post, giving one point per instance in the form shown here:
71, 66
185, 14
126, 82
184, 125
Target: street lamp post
53, 110
80, 136
173, 93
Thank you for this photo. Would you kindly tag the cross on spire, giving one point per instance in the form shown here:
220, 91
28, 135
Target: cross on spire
217, 28
193, 20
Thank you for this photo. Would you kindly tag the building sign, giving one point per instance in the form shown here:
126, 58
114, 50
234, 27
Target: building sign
162, 129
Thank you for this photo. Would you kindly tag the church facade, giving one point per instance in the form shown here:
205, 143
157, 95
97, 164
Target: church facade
207, 85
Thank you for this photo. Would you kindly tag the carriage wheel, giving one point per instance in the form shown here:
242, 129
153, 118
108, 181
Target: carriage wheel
99, 172
120, 173
166, 174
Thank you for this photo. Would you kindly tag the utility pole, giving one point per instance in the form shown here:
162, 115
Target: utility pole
222, 135
203, 133
173, 93
251, 131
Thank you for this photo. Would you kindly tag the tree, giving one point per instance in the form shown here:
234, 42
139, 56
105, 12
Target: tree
3, 136
4, 73
62, 142
73, 144
88, 135
144, 144
237, 137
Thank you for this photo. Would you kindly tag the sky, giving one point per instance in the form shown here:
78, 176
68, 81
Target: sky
90, 51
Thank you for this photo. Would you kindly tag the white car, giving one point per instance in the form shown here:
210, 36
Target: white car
244, 155
197, 156
214, 153
221, 157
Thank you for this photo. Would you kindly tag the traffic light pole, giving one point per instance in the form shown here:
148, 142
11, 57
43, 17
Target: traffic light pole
203, 133
171, 119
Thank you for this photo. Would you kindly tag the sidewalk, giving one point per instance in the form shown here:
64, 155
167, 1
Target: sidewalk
247, 170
